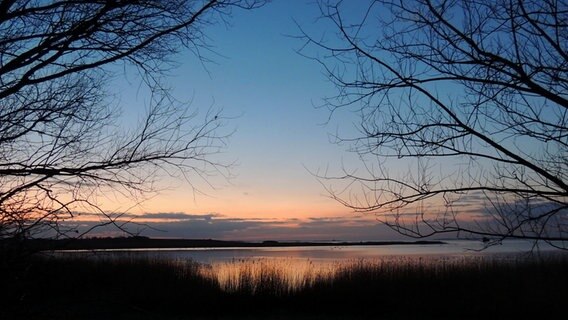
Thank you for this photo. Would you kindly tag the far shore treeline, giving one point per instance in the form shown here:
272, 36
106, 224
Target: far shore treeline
141, 242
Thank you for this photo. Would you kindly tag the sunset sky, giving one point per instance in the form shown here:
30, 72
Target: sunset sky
271, 93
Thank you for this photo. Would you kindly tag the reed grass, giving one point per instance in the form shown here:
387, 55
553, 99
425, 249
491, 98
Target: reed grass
390, 288
268, 276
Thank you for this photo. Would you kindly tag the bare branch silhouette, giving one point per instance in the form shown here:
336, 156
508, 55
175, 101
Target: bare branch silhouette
61, 146
474, 90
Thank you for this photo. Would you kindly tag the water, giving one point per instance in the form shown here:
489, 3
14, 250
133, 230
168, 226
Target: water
297, 267
320, 254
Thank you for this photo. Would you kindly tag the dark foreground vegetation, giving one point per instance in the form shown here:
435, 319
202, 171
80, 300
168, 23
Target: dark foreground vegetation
64, 288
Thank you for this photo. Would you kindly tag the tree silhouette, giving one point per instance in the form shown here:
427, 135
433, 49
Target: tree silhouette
472, 96
61, 146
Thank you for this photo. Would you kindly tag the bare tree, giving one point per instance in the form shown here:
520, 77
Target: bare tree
472, 96
61, 145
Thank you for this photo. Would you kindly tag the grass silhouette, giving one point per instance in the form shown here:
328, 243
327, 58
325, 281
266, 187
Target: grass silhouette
396, 288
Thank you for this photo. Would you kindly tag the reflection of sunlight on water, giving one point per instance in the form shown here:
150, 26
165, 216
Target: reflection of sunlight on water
256, 275
283, 274
283, 270
286, 270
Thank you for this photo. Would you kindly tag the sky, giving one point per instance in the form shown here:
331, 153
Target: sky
280, 137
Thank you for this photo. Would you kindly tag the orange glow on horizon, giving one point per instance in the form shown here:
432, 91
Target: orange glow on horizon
269, 204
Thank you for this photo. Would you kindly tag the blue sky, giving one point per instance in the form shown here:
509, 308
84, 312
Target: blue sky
271, 92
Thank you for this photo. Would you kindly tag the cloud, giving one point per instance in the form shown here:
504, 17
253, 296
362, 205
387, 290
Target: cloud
175, 216
350, 227
217, 226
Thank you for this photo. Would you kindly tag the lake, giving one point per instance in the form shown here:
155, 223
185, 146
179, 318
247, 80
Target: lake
299, 266
455, 248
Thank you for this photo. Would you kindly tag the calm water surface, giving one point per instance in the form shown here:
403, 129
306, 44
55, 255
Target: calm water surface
297, 267
321, 254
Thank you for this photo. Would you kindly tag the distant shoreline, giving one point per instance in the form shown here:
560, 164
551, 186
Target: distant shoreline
149, 243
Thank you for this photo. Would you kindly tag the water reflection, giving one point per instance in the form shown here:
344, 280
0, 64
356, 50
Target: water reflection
324, 253
281, 269
280, 274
